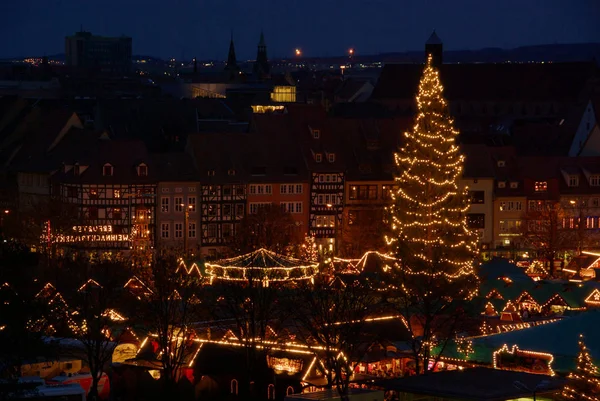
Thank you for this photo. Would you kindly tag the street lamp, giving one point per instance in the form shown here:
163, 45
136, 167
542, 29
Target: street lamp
540, 386
186, 227
330, 207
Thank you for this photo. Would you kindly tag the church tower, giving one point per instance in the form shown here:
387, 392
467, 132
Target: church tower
261, 65
232, 69
435, 47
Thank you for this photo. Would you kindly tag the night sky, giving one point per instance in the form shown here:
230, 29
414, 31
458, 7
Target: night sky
176, 28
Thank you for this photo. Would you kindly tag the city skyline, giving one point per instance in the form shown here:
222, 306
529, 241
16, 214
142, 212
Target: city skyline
203, 29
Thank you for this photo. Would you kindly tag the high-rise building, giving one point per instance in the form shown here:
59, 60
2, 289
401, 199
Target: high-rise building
100, 54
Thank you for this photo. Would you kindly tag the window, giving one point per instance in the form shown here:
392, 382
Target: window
192, 229
164, 230
107, 170
363, 192
298, 188
289, 390
316, 133
514, 185
535, 205
210, 173
262, 189
510, 206
72, 192
501, 184
234, 385
191, 203
178, 204
501, 163
540, 186
477, 197
93, 213
298, 207
117, 193
476, 220
510, 226
191, 189
178, 230
231, 172
255, 207
595, 180
573, 181
116, 214
318, 157
352, 215
211, 231
595, 202
164, 205
239, 210
93, 193
143, 170
227, 230
331, 157
226, 210
226, 190
283, 189
76, 169
164, 190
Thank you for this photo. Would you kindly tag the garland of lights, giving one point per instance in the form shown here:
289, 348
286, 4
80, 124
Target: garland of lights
428, 212
263, 265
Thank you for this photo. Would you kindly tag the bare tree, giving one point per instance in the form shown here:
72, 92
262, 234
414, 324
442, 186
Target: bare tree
94, 296
19, 307
270, 228
170, 310
331, 321
255, 309
362, 232
542, 230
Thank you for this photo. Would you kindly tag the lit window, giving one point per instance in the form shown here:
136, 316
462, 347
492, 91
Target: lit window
541, 186
117, 193
192, 203
573, 181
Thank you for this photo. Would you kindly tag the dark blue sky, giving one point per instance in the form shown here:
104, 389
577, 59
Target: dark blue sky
201, 28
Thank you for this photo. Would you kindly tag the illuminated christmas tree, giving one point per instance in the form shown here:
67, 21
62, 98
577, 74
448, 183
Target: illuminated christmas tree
430, 237
583, 384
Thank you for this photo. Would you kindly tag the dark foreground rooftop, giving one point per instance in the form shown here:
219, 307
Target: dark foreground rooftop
474, 384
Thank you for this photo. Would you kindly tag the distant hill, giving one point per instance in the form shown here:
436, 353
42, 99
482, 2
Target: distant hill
552, 52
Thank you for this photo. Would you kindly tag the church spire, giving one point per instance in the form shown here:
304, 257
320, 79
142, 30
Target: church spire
231, 59
435, 47
261, 66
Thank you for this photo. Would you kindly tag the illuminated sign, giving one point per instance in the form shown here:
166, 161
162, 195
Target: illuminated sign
92, 229
92, 234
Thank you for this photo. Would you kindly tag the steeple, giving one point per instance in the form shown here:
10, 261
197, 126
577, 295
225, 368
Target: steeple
231, 59
261, 66
435, 47
232, 70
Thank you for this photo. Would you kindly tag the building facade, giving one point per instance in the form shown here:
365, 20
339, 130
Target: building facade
102, 54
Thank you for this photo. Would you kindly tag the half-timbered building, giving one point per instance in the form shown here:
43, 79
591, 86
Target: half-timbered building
112, 185
222, 177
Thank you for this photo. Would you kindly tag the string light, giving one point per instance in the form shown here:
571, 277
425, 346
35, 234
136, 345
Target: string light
515, 351
428, 211
583, 384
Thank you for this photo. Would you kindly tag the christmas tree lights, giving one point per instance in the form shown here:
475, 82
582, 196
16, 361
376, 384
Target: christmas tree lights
428, 214
583, 384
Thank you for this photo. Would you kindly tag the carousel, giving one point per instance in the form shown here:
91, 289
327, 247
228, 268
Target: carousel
262, 266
